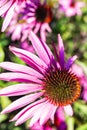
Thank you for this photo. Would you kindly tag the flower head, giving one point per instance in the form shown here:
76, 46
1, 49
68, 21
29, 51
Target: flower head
18, 24
39, 15
7, 10
71, 7
47, 83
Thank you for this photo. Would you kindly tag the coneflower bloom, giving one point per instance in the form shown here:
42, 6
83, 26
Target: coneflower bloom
18, 24
47, 84
71, 7
7, 10
39, 15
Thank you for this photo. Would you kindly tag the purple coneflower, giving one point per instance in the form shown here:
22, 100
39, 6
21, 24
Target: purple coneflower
18, 24
71, 7
7, 9
47, 84
38, 15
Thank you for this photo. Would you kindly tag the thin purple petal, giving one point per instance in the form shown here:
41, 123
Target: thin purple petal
61, 51
70, 61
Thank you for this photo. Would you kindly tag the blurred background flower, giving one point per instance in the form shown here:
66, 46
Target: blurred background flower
7, 10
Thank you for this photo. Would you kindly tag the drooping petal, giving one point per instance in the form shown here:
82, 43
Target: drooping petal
68, 110
29, 58
29, 113
45, 27
37, 27
20, 89
22, 102
37, 114
41, 48
61, 51
48, 110
20, 68
18, 77
27, 108
53, 112
48, 114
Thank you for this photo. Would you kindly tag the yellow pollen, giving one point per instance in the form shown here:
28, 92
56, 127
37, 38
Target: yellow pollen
22, 21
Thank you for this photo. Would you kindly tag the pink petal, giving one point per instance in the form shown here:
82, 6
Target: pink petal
41, 48
44, 28
37, 27
29, 58
29, 113
68, 110
53, 113
30, 20
61, 51
22, 112
20, 68
19, 89
18, 77
21, 102
16, 35
47, 113
80, 4
4, 6
37, 115
8, 17
48, 109
2, 2
64, 3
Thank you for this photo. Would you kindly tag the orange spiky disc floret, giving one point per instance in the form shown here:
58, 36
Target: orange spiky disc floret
61, 87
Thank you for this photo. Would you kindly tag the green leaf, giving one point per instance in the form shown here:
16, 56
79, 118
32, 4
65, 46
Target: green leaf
5, 101
80, 109
82, 127
18, 60
70, 123
2, 55
2, 118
